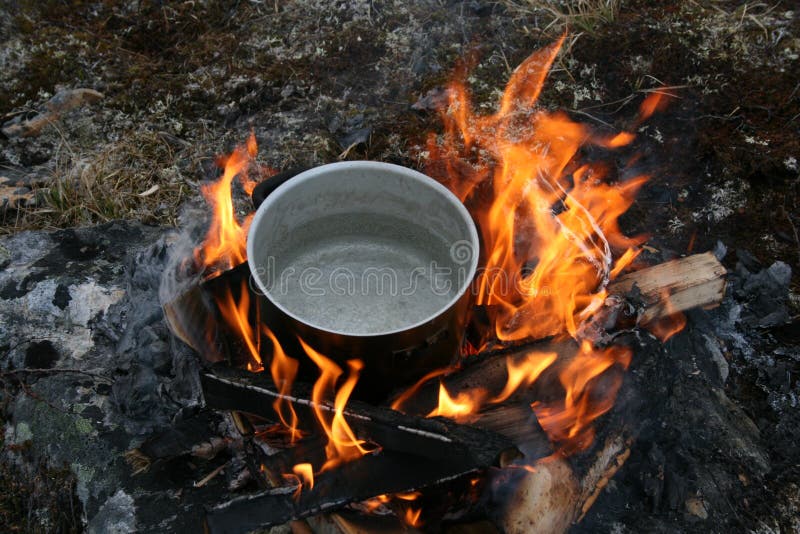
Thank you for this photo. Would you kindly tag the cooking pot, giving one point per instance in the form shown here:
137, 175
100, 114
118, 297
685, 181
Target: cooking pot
367, 260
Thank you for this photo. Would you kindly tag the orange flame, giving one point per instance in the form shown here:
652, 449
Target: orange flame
305, 473
398, 403
376, 502
411, 517
550, 234
568, 422
284, 371
343, 445
524, 372
236, 315
462, 408
544, 208
673, 322
225, 245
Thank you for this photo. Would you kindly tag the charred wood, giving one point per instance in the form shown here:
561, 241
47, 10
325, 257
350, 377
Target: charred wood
384, 473
392, 430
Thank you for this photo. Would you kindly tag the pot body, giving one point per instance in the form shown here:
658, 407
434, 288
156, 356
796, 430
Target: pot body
366, 260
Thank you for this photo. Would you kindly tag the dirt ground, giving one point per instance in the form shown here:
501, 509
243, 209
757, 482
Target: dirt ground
317, 81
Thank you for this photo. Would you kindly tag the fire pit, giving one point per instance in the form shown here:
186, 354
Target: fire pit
478, 436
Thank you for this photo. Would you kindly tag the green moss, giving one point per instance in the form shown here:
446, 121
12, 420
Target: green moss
38, 499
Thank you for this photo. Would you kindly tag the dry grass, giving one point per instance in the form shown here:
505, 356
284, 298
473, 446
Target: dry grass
586, 16
136, 178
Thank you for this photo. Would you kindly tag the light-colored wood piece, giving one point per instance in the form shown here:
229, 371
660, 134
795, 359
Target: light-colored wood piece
678, 285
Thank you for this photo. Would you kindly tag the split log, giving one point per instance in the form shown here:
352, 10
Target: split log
551, 497
544, 500
675, 286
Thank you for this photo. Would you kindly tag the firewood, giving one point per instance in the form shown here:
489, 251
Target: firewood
385, 473
488, 371
434, 438
543, 500
549, 498
609, 459
678, 285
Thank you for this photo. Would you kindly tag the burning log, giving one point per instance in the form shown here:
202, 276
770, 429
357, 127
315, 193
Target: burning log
415, 453
392, 430
488, 372
410, 443
663, 290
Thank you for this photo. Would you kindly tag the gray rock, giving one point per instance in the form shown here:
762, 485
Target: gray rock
83, 305
117, 515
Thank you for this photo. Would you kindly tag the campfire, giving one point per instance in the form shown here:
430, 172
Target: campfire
512, 431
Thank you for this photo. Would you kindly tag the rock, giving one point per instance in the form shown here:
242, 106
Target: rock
83, 304
116, 515
355, 137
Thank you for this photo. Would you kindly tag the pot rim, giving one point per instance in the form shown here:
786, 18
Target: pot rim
317, 172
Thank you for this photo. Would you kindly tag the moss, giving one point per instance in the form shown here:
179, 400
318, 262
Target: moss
39, 497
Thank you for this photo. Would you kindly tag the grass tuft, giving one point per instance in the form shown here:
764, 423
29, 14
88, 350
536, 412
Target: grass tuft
587, 16
135, 178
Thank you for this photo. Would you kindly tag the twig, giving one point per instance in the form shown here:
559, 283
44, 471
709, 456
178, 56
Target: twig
592, 117
209, 477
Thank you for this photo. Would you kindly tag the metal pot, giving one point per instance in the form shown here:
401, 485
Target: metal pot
367, 260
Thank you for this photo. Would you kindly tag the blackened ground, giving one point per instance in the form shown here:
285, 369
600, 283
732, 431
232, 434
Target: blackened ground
716, 419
